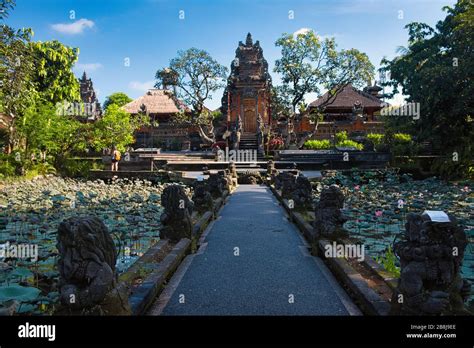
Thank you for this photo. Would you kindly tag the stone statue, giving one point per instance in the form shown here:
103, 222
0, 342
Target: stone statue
235, 139
250, 178
176, 218
282, 179
328, 218
216, 185
260, 134
233, 173
87, 277
202, 198
431, 255
239, 124
271, 170
357, 110
302, 193
233, 169
296, 187
226, 179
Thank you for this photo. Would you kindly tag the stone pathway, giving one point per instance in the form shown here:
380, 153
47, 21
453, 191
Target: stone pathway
253, 262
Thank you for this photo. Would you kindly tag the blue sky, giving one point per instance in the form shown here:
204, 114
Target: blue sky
148, 33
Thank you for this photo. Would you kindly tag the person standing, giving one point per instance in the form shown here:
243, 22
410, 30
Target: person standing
115, 159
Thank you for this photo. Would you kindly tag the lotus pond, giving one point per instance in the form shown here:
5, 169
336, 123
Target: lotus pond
377, 203
31, 211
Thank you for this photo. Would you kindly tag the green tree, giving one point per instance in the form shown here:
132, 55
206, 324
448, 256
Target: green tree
308, 64
435, 70
195, 75
280, 102
17, 90
43, 130
116, 128
54, 78
117, 98
5, 7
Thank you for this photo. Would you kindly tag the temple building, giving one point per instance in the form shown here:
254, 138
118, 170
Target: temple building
248, 87
352, 110
160, 105
89, 98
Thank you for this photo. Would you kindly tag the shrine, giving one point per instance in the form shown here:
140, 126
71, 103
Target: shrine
248, 88
89, 98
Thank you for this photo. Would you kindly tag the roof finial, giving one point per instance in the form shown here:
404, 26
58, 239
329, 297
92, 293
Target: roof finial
249, 41
84, 76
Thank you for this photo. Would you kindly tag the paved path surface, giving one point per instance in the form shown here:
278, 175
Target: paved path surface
272, 275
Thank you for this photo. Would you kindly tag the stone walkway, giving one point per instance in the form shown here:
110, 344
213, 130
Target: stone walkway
253, 262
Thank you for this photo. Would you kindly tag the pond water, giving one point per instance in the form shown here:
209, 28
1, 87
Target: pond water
31, 211
377, 204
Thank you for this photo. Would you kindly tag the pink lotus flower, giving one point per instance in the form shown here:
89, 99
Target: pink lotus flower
378, 213
357, 187
466, 189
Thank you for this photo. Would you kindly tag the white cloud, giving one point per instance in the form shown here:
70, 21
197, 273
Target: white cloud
302, 31
321, 37
141, 86
87, 67
76, 27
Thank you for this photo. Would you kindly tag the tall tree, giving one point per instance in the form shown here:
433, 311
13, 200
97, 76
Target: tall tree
435, 70
117, 98
5, 7
54, 78
195, 76
309, 64
17, 90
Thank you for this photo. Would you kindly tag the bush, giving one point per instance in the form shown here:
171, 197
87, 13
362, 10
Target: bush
8, 165
402, 145
389, 261
341, 141
350, 143
76, 168
317, 144
402, 137
6, 169
276, 143
375, 138
341, 137
44, 168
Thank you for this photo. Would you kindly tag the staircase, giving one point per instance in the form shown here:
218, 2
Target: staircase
248, 141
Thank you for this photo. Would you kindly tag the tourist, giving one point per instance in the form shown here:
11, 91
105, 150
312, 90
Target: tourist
115, 159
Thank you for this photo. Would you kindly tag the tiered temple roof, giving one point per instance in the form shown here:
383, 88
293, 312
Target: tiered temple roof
249, 72
88, 94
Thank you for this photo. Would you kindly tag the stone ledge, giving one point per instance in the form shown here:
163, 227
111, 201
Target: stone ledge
201, 224
372, 303
154, 252
145, 294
